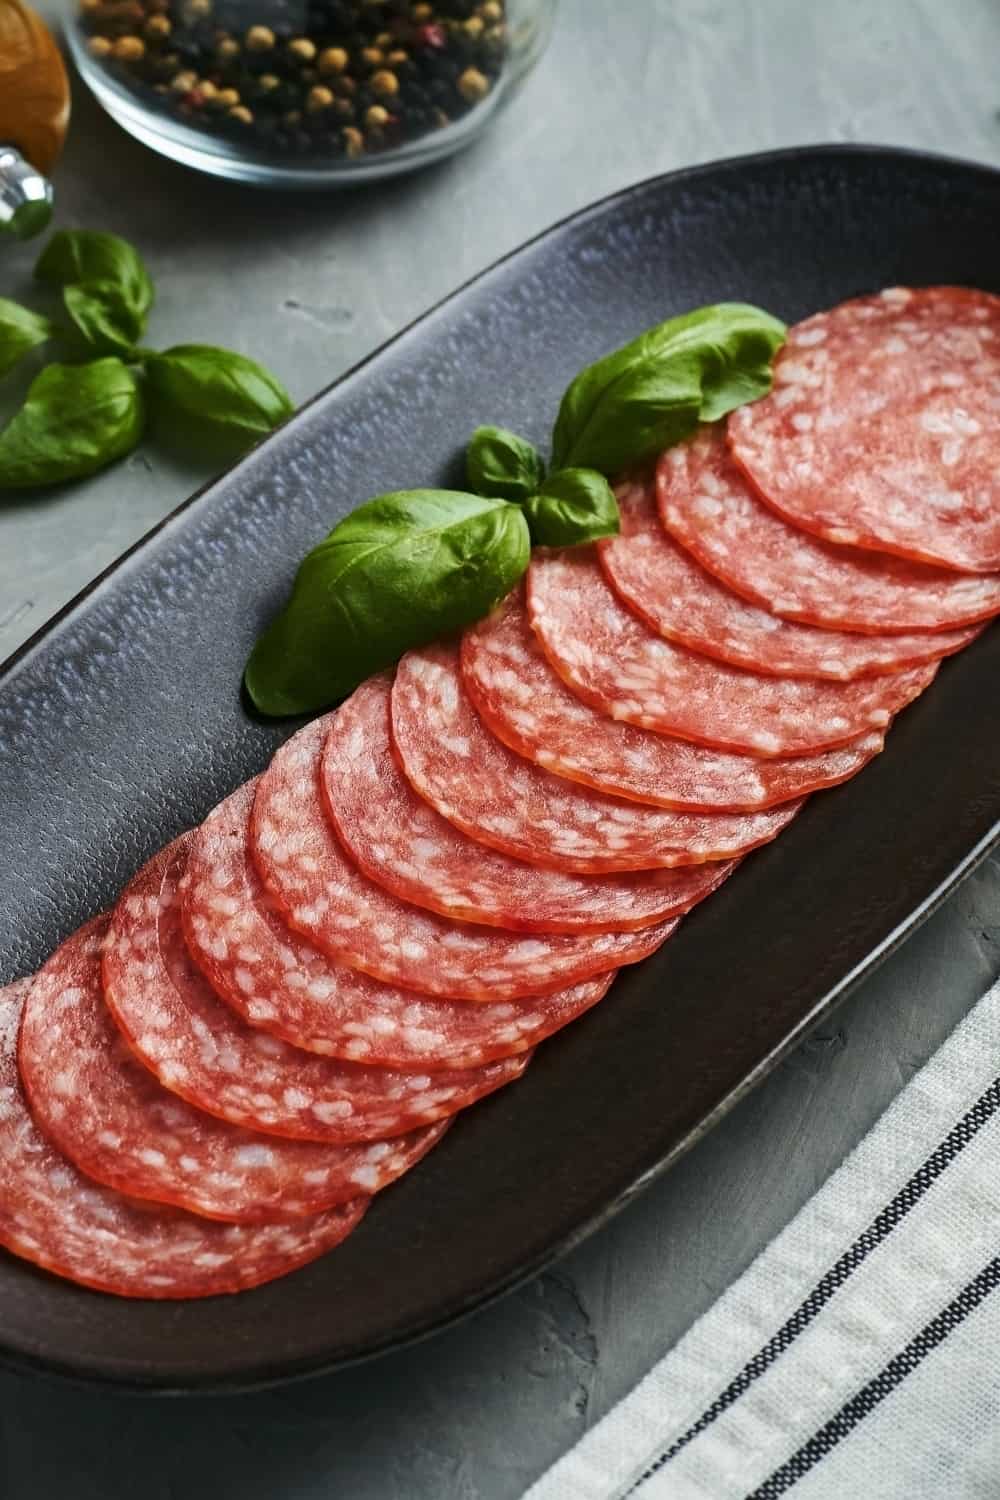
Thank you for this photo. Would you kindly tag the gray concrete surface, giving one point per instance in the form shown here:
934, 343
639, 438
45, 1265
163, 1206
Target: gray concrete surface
627, 89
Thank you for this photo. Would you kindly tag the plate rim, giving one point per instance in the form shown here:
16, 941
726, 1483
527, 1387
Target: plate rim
273, 1374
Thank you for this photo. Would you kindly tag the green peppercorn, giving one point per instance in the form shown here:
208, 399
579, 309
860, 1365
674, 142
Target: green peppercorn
259, 39
473, 85
333, 60
384, 83
318, 98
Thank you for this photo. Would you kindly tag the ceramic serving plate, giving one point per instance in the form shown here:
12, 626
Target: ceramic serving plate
121, 724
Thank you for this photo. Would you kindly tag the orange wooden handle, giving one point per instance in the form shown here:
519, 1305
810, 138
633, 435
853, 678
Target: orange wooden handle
34, 88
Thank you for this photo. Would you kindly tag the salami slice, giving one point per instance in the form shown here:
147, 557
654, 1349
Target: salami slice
401, 842
678, 599
508, 802
882, 432
53, 1216
103, 1110
707, 505
614, 662
325, 897
274, 979
527, 706
201, 1050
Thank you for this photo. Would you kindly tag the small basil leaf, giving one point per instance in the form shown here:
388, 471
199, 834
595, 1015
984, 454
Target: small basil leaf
573, 506
225, 395
75, 256
396, 573
75, 420
20, 330
102, 317
500, 463
654, 391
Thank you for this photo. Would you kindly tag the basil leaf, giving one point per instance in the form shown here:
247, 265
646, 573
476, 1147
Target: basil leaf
653, 392
216, 393
102, 317
396, 573
75, 420
573, 506
498, 462
81, 257
20, 330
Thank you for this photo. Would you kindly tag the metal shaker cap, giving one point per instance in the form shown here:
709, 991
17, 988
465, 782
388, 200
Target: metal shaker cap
25, 196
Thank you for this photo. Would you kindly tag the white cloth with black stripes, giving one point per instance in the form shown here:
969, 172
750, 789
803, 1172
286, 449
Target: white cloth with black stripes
859, 1356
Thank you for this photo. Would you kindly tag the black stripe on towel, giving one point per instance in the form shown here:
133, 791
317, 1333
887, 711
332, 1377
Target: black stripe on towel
883, 1384
965, 1130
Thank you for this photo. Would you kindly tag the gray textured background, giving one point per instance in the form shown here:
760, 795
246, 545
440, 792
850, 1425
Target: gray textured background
628, 88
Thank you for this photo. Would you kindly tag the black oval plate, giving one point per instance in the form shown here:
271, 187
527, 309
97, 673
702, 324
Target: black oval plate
121, 725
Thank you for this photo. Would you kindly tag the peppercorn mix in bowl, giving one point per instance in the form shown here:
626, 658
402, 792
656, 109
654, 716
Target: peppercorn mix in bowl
306, 93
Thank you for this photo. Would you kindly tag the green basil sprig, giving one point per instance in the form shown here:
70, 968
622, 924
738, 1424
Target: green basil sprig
498, 462
573, 506
74, 420
20, 330
652, 393
101, 318
409, 567
396, 573
79, 417
231, 398
106, 288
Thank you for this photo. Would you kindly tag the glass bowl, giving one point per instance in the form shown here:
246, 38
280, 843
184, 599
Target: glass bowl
306, 93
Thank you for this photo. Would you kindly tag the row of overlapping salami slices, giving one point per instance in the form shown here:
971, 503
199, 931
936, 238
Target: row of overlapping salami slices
289, 1004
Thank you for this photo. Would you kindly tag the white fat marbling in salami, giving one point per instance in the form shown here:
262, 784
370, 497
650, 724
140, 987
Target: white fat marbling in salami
277, 981
404, 844
323, 895
883, 428
612, 660
513, 805
200, 1049
663, 583
708, 506
528, 706
54, 1216
101, 1108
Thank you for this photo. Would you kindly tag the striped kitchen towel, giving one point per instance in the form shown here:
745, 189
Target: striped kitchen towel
859, 1356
